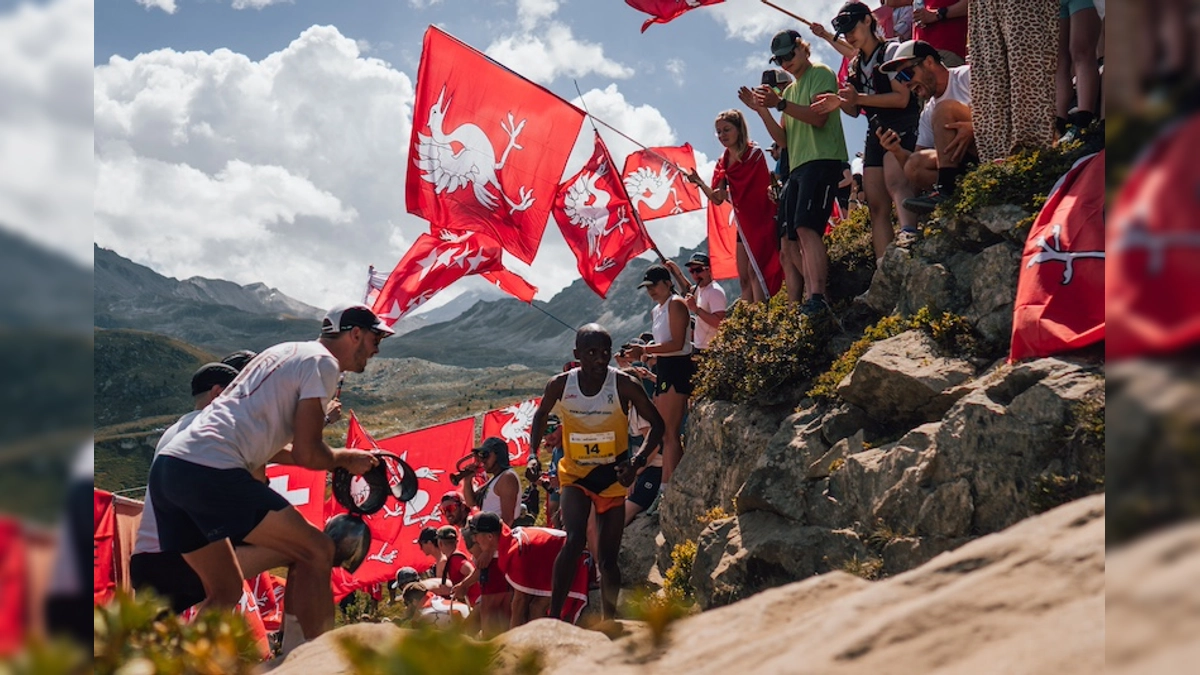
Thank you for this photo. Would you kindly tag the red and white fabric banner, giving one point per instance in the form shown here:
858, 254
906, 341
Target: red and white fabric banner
512, 284
596, 219
14, 602
488, 147
722, 240
432, 454
512, 424
270, 603
104, 530
1060, 293
303, 488
1155, 245
662, 11
655, 182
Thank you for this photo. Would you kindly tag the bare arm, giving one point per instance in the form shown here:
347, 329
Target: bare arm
751, 99
309, 449
508, 488
716, 194
809, 114
678, 274
550, 397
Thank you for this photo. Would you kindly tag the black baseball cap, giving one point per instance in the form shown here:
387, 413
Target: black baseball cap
485, 523
698, 259
492, 445
210, 375
239, 359
849, 16
428, 534
655, 274
784, 42
345, 317
404, 577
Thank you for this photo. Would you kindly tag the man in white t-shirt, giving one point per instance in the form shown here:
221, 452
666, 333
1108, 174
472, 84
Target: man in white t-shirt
945, 135
706, 301
203, 486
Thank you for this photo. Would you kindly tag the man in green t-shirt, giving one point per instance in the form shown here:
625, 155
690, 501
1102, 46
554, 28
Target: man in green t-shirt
816, 153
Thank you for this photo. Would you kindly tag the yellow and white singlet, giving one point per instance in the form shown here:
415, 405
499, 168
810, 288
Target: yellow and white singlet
595, 430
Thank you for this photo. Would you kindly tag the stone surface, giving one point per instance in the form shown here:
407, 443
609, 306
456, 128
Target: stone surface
905, 553
842, 422
835, 457
993, 287
926, 285
638, 551
947, 511
898, 377
1001, 218
740, 556
776, 482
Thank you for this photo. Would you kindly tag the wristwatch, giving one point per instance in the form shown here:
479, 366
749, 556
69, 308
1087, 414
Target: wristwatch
942, 13
782, 105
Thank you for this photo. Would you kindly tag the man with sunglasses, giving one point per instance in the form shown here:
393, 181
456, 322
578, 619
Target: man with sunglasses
202, 484
945, 135
816, 151
706, 302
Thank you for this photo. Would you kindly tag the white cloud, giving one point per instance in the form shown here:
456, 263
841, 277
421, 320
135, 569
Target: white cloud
289, 170
552, 53
364, 45
46, 172
167, 6
256, 4
530, 12
676, 67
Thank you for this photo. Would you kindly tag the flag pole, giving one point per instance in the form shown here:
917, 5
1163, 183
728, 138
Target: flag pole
801, 19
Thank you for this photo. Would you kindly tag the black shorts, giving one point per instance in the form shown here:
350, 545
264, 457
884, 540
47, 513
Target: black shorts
197, 505
873, 152
808, 197
675, 372
645, 487
169, 575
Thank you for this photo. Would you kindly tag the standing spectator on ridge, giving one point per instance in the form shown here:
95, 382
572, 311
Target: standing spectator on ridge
706, 302
499, 496
816, 151
205, 495
945, 135
888, 105
941, 23
1079, 31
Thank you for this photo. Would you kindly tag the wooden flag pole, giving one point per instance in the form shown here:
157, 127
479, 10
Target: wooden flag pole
797, 17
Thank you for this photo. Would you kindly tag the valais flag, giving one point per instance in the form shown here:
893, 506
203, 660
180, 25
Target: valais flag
512, 425
303, 488
488, 147
432, 453
663, 11
1060, 292
656, 187
596, 220
433, 263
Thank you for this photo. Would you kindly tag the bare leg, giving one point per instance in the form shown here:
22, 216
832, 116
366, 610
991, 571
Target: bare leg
1063, 90
816, 262
900, 189
612, 526
921, 169
745, 274
217, 567
520, 608
945, 113
793, 274
879, 202
495, 612
288, 533
631, 511
574, 506
1084, 35
671, 406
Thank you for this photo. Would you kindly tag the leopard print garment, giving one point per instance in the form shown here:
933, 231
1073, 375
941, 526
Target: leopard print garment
1014, 48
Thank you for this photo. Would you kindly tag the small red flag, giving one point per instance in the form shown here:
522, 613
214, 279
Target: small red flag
656, 185
303, 488
597, 221
512, 424
433, 263
1060, 293
488, 147
511, 283
104, 532
663, 11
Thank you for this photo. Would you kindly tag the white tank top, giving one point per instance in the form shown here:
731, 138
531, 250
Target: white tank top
661, 328
491, 500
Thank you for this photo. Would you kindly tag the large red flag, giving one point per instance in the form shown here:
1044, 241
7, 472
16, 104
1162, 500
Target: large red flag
748, 183
655, 184
1060, 293
104, 533
488, 146
13, 599
512, 424
722, 240
596, 220
303, 488
432, 453
663, 11
1155, 243
433, 263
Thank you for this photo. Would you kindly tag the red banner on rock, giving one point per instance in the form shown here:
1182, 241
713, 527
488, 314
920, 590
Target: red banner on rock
513, 424
662, 11
432, 454
13, 582
596, 219
1060, 293
104, 530
488, 147
303, 488
655, 184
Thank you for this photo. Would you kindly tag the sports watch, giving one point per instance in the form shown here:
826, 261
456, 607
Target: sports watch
782, 105
942, 11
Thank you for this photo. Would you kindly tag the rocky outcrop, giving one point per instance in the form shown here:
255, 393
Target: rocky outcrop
901, 379
639, 550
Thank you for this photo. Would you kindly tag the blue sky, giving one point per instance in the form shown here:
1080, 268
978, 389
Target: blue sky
265, 141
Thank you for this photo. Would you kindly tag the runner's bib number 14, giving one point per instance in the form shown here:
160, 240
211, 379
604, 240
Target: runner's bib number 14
593, 449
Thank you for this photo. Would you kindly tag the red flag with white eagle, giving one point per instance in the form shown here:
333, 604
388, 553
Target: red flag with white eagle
303, 488
1060, 293
270, 604
662, 11
512, 284
434, 262
488, 146
1155, 243
432, 453
596, 219
655, 182
512, 424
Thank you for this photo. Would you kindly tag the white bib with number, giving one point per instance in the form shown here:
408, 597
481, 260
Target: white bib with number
594, 448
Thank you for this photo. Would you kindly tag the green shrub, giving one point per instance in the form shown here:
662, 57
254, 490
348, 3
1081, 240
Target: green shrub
1081, 451
849, 244
677, 582
1023, 179
659, 611
761, 348
869, 569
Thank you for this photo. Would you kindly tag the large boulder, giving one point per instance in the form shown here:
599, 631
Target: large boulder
898, 378
738, 557
993, 287
776, 484
639, 551
724, 444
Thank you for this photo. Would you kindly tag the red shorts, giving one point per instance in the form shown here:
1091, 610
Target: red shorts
531, 567
496, 583
602, 504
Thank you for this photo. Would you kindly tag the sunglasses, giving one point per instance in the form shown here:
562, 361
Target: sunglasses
786, 57
697, 270
905, 75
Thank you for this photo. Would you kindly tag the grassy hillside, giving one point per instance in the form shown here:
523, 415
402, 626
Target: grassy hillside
139, 374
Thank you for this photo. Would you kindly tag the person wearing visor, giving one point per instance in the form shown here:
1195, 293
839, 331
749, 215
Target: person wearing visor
889, 106
202, 483
945, 136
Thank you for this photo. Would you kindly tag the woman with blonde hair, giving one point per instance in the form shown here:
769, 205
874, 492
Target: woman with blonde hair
743, 177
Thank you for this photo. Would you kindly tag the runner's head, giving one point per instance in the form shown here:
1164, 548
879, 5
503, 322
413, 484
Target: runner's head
352, 334
239, 359
481, 536
454, 509
593, 349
